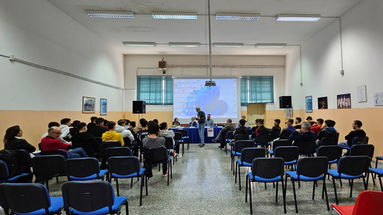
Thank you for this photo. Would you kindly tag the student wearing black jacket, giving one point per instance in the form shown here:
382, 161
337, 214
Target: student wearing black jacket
13, 140
83, 139
99, 129
356, 132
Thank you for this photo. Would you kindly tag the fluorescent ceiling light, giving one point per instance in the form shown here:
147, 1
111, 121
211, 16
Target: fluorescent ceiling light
298, 18
270, 45
184, 45
227, 45
177, 15
238, 16
139, 44
110, 14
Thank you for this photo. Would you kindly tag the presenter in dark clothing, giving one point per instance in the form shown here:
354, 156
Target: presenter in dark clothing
201, 117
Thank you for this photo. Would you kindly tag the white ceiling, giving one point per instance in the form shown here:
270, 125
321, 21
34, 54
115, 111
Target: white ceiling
144, 28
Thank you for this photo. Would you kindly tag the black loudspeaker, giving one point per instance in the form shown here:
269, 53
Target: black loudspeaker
139, 107
285, 102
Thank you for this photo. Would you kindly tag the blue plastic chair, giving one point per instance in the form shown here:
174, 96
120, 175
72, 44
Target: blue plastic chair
350, 168
4, 174
29, 199
84, 169
127, 167
92, 198
267, 170
309, 169
290, 155
379, 173
236, 149
246, 159
378, 158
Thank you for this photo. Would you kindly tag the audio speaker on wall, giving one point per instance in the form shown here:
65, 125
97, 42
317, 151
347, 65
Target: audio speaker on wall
139, 107
285, 102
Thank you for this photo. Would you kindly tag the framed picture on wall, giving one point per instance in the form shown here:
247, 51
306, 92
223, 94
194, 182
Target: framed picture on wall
378, 99
103, 107
309, 104
362, 93
322, 103
88, 104
344, 101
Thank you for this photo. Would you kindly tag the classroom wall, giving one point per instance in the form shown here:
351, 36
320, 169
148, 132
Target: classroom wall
362, 44
38, 32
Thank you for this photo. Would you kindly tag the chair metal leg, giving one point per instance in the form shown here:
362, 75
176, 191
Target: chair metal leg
365, 183
351, 186
284, 195
183, 148
141, 187
168, 173
146, 184
118, 189
127, 207
276, 193
251, 200
171, 171
57, 179
325, 190
380, 182
336, 195
47, 184
295, 196
235, 173
313, 197
131, 182
247, 181
239, 177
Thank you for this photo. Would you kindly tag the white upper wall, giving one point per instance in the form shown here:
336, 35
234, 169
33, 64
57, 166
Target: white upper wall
362, 29
182, 66
38, 32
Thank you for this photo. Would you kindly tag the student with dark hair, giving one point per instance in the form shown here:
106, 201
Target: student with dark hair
317, 127
65, 129
356, 132
121, 128
221, 137
165, 132
85, 140
276, 129
242, 129
142, 126
13, 140
111, 134
153, 141
285, 134
74, 128
92, 123
156, 121
310, 120
99, 129
328, 132
298, 122
176, 122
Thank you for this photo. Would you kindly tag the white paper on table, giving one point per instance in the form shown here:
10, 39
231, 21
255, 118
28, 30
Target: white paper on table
210, 132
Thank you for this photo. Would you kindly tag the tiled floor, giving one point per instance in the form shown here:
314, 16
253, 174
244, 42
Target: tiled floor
203, 184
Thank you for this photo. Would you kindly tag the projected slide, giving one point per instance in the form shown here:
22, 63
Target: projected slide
220, 101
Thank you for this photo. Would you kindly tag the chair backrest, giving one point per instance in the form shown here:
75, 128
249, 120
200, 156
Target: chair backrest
183, 132
4, 172
307, 148
240, 144
117, 151
312, 166
331, 152
288, 153
87, 196
24, 161
354, 165
369, 202
279, 143
285, 134
365, 149
47, 166
158, 155
177, 135
267, 167
360, 140
25, 197
108, 144
56, 152
82, 167
330, 139
169, 143
127, 142
248, 154
241, 137
230, 135
124, 165
262, 138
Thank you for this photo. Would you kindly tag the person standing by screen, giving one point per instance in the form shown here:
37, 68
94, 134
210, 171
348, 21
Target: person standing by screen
201, 117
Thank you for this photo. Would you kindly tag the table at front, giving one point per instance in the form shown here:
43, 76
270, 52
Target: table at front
193, 134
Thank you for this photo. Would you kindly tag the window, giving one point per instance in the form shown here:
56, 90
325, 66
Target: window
257, 89
155, 90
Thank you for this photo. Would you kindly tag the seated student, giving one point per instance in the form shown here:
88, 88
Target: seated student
221, 137
288, 130
276, 129
317, 126
254, 128
194, 122
142, 126
328, 133
111, 134
52, 124
310, 120
121, 128
13, 140
298, 122
242, 130
303, 135
52, 142
73, 130
85, 140
262, 134
356, 132
65, 123
153, 141
165, 132
176, 122
209, 121
92, 123
99, 129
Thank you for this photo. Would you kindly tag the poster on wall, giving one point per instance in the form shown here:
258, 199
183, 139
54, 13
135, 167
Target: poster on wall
322, 103
103, 107
361, 93
344, 101
309, 104
378, 99
88, 104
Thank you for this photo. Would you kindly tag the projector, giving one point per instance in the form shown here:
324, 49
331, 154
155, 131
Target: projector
210, 84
